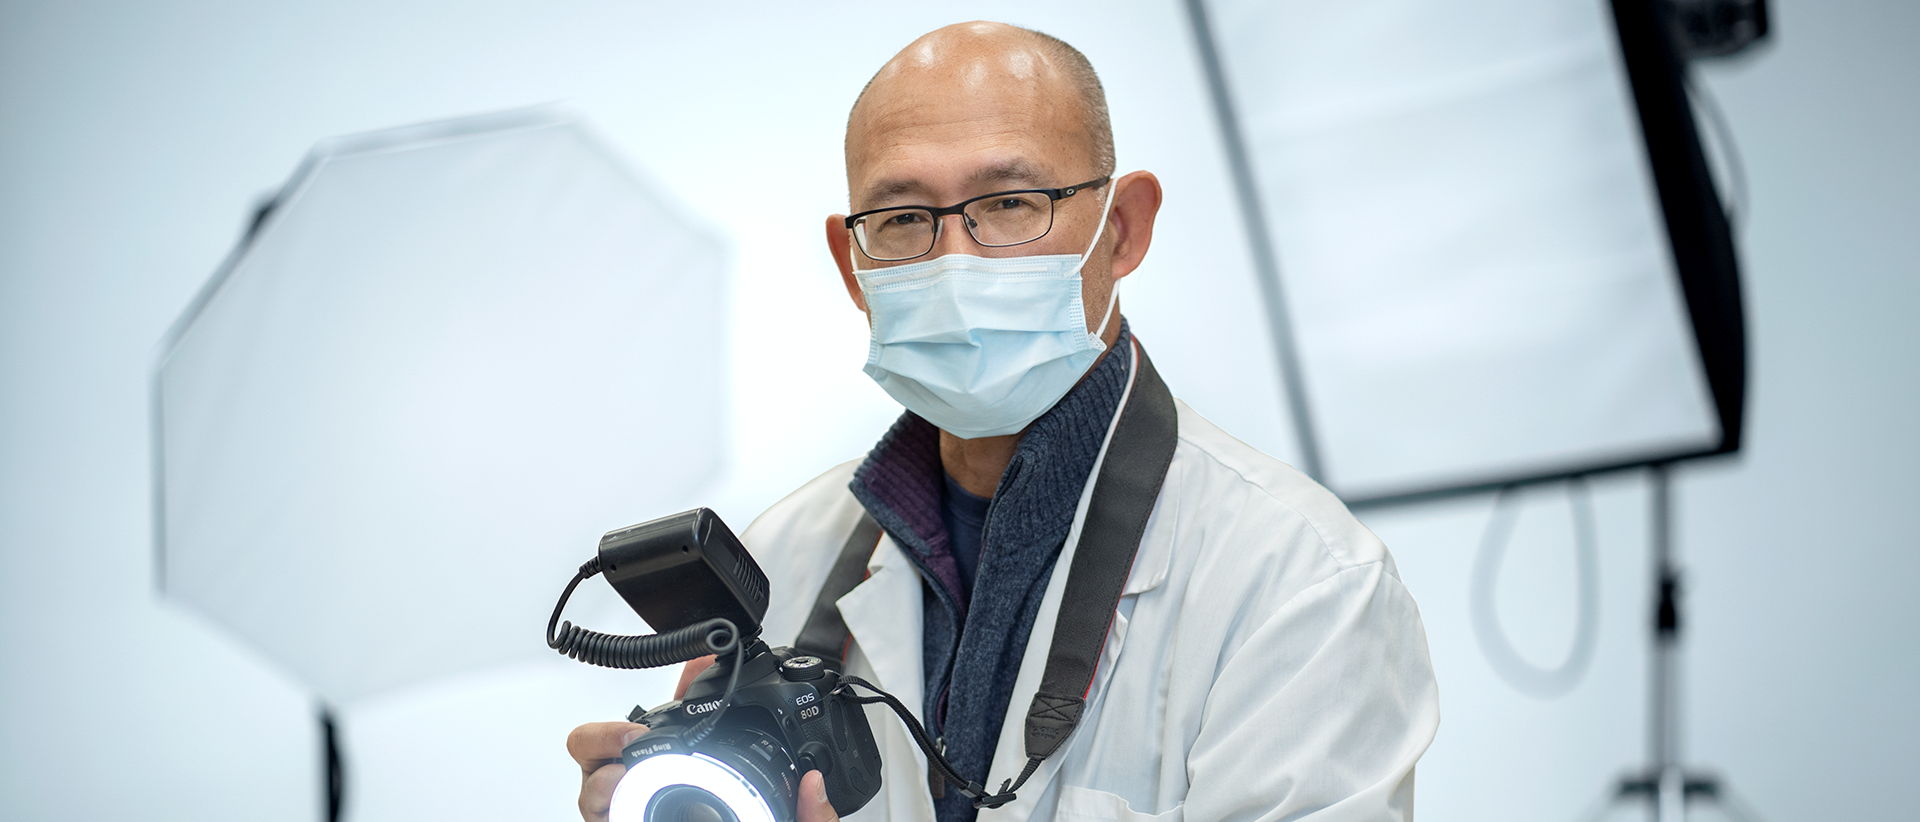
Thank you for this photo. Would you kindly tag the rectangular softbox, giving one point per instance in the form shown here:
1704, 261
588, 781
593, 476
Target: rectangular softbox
1490, 244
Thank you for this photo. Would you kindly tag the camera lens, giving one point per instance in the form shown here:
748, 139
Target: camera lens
686, 803
737, 775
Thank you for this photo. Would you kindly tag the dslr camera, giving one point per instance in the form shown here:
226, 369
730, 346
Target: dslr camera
734, 747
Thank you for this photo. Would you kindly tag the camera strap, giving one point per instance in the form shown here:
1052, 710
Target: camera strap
1131, 473
825, 634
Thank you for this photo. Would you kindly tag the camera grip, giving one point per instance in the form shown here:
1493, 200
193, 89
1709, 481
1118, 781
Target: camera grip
854, 778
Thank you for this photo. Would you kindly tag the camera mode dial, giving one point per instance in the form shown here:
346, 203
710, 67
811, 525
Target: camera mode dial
803, 669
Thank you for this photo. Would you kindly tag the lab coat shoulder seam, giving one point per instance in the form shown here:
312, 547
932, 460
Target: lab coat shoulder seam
1335, 577
1320, 536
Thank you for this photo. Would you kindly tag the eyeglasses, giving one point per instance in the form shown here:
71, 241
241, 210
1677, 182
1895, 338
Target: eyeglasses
994, 220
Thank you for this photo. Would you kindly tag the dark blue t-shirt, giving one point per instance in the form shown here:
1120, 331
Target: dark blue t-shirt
964, 515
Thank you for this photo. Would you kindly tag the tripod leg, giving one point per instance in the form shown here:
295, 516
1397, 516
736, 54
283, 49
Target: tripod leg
332, 786
1736, 810
1601, 806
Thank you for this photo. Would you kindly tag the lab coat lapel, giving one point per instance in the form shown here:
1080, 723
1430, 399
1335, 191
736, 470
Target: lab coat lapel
883, 616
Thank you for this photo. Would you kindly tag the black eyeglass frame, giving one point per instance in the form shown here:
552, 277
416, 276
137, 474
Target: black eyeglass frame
1054, 196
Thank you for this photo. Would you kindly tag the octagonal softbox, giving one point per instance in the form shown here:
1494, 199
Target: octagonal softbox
445, 360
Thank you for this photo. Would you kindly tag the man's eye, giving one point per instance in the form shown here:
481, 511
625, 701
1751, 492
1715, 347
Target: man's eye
907, 218
1009, 204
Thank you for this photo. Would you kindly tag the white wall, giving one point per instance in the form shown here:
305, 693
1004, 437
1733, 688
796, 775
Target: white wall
135, 137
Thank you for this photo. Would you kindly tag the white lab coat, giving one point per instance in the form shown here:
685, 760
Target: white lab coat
1265, 662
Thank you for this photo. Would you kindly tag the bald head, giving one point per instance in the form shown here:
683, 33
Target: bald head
976, 110
964, 72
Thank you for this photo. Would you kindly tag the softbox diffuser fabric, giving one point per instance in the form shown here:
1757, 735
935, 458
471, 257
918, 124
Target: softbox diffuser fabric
1470, 240
447, 359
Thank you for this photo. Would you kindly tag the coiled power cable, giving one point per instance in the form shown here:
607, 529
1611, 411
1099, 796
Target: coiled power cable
1518, 672
714, 636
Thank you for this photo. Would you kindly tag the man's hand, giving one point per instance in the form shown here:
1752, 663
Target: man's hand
813, 804
693, 669
597, 745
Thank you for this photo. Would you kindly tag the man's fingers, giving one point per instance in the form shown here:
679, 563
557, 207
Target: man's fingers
598, 743
813, 804
596, 792
693, 669
596, 746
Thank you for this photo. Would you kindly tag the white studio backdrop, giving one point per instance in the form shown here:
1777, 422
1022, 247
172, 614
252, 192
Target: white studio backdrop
739, 119
139, 136
458, 351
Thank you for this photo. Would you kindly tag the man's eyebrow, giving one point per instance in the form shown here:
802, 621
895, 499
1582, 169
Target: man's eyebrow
1012, 173
889, 190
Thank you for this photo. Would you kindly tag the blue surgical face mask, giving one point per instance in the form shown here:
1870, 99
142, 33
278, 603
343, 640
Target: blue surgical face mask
982, 346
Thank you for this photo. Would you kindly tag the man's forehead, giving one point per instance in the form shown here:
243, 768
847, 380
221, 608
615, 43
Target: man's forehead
938, 132
950, 94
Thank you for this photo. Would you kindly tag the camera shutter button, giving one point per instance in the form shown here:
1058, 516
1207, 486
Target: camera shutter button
803, 669
815, 757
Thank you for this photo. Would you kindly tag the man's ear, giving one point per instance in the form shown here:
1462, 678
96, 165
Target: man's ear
1136, 201
840, 245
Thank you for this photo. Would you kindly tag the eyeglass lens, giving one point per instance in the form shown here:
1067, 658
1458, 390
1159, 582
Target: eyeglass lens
1001, 220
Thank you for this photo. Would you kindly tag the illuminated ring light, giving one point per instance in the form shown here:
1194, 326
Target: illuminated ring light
648, 777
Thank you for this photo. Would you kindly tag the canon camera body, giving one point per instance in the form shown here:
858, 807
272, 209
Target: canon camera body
784, 719
734, 746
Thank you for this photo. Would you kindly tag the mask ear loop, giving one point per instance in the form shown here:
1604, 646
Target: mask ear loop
1113, 291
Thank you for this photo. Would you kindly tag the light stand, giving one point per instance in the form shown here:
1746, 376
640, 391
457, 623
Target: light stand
1701, 29
1665, 785
333, 778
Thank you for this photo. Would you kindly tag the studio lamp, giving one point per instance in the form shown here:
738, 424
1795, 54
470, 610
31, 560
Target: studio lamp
1492, 254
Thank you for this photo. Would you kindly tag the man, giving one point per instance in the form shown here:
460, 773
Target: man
1264, 661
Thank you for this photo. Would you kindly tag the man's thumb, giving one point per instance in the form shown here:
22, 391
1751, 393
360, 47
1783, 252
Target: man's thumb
814, 806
